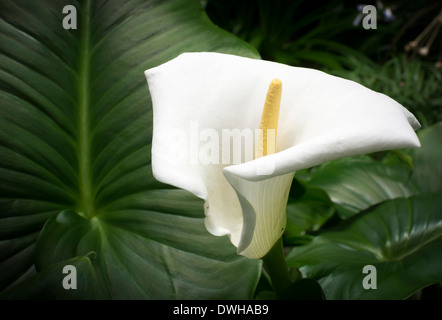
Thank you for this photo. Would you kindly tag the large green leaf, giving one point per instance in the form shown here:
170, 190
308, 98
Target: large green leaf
401, 238
48, 284
356, 183
75, 139
427, 171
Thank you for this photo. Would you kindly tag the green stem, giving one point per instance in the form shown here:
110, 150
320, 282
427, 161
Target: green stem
276, 266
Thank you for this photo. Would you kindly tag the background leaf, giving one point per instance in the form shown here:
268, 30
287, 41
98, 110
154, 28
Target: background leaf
76, 123
356, 183
427, 171
306, 211
402, 238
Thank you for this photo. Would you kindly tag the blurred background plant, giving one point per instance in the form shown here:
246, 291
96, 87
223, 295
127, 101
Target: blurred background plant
402, 57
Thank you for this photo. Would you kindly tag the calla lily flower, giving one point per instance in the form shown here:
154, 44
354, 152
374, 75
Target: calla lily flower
321, 118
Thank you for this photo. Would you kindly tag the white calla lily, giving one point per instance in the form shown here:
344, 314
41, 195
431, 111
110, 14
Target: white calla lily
321, 118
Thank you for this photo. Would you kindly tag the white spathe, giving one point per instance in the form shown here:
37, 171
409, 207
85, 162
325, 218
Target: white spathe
322, 117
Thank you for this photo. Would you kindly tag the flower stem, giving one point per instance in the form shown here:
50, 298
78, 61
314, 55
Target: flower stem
276, 266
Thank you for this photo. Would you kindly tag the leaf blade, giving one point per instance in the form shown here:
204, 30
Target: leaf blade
402, 238
77, 130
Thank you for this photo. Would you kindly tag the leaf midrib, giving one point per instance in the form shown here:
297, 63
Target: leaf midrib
86, 201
